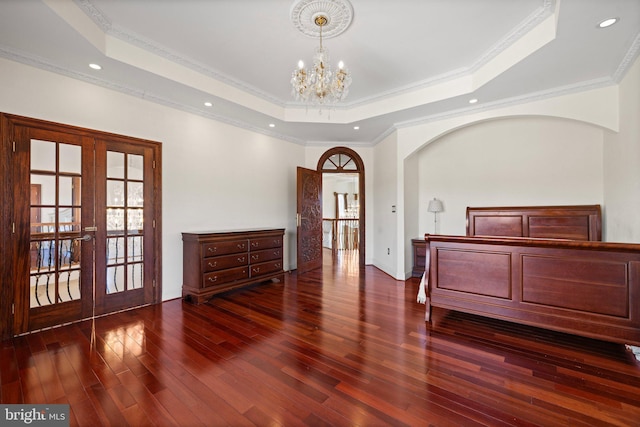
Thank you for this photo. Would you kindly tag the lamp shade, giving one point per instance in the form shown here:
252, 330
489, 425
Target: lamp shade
435, 205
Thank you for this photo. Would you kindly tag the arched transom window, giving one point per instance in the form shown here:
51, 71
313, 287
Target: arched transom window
340, 162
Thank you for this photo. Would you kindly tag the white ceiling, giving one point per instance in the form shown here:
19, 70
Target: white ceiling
412, 60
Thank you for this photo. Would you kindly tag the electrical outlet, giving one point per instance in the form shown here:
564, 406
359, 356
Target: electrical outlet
388, 251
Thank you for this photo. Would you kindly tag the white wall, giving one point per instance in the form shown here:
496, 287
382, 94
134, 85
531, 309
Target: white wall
523, 161
412, 213
215, 176
386, 242
622, 165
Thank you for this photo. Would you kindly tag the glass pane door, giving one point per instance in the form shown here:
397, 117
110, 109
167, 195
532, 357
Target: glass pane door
125, 210
56, 180
85, 217
60, 277
125, 222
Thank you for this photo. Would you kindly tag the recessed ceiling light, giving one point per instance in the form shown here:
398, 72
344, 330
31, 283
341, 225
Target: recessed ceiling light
473, 101
356, 127
272, 125
95, 66
208, 104
608, 22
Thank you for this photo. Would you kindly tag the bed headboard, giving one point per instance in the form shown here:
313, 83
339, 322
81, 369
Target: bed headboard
579, 222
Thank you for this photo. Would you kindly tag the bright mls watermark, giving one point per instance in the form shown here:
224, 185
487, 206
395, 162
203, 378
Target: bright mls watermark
36, 415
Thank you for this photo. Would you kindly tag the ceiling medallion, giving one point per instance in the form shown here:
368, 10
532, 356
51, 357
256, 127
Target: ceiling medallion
339, 14
321, 18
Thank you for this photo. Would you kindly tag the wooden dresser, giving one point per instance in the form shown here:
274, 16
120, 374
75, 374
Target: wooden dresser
215, 262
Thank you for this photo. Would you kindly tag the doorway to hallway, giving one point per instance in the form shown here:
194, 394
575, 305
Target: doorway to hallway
344, 223
341, 216
343, 207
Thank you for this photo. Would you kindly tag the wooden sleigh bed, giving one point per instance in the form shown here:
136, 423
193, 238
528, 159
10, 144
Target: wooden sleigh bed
540, 266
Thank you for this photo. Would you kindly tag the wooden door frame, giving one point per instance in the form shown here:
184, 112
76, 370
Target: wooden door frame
6, 229
14, 220
361, 189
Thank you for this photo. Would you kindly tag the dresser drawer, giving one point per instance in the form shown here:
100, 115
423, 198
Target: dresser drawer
265, 268
225, 276
223, 248
265, 243
265, 255
224, 262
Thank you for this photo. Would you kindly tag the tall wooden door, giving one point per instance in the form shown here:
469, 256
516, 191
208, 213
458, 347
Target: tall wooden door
54, 261
88, 244
309, 219
125, 261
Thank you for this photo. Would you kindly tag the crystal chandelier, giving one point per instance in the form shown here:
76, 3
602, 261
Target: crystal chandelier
320, 85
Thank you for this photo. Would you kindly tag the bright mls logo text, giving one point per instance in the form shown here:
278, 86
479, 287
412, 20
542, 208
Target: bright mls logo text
25, 414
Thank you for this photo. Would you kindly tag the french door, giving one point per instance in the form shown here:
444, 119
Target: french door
125, 249
86, 224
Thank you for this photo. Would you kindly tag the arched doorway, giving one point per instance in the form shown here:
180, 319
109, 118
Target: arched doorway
343, 160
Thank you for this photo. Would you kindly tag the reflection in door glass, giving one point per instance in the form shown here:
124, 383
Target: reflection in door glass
135, 194
55, 223
135, 169
70, 159
115, 165
43, 155
125, 222
115, 279
69, 190
115, 193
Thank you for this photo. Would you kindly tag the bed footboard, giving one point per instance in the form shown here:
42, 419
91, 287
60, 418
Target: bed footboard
584, 288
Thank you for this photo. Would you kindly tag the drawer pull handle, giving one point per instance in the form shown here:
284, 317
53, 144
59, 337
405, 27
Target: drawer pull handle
213, 279
241, 259
240, 245
254, 244
212, 249
255, 257
278, 265
256, 270
213, 264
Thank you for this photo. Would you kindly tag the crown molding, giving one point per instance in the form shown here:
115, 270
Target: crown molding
533, 20
42, 64
511, 102
100, 19
334, 143
628, 60
529, 23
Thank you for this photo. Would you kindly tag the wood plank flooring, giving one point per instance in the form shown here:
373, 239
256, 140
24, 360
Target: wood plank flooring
335, 347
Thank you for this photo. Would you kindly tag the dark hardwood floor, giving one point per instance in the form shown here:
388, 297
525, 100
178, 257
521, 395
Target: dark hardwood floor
337, 347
